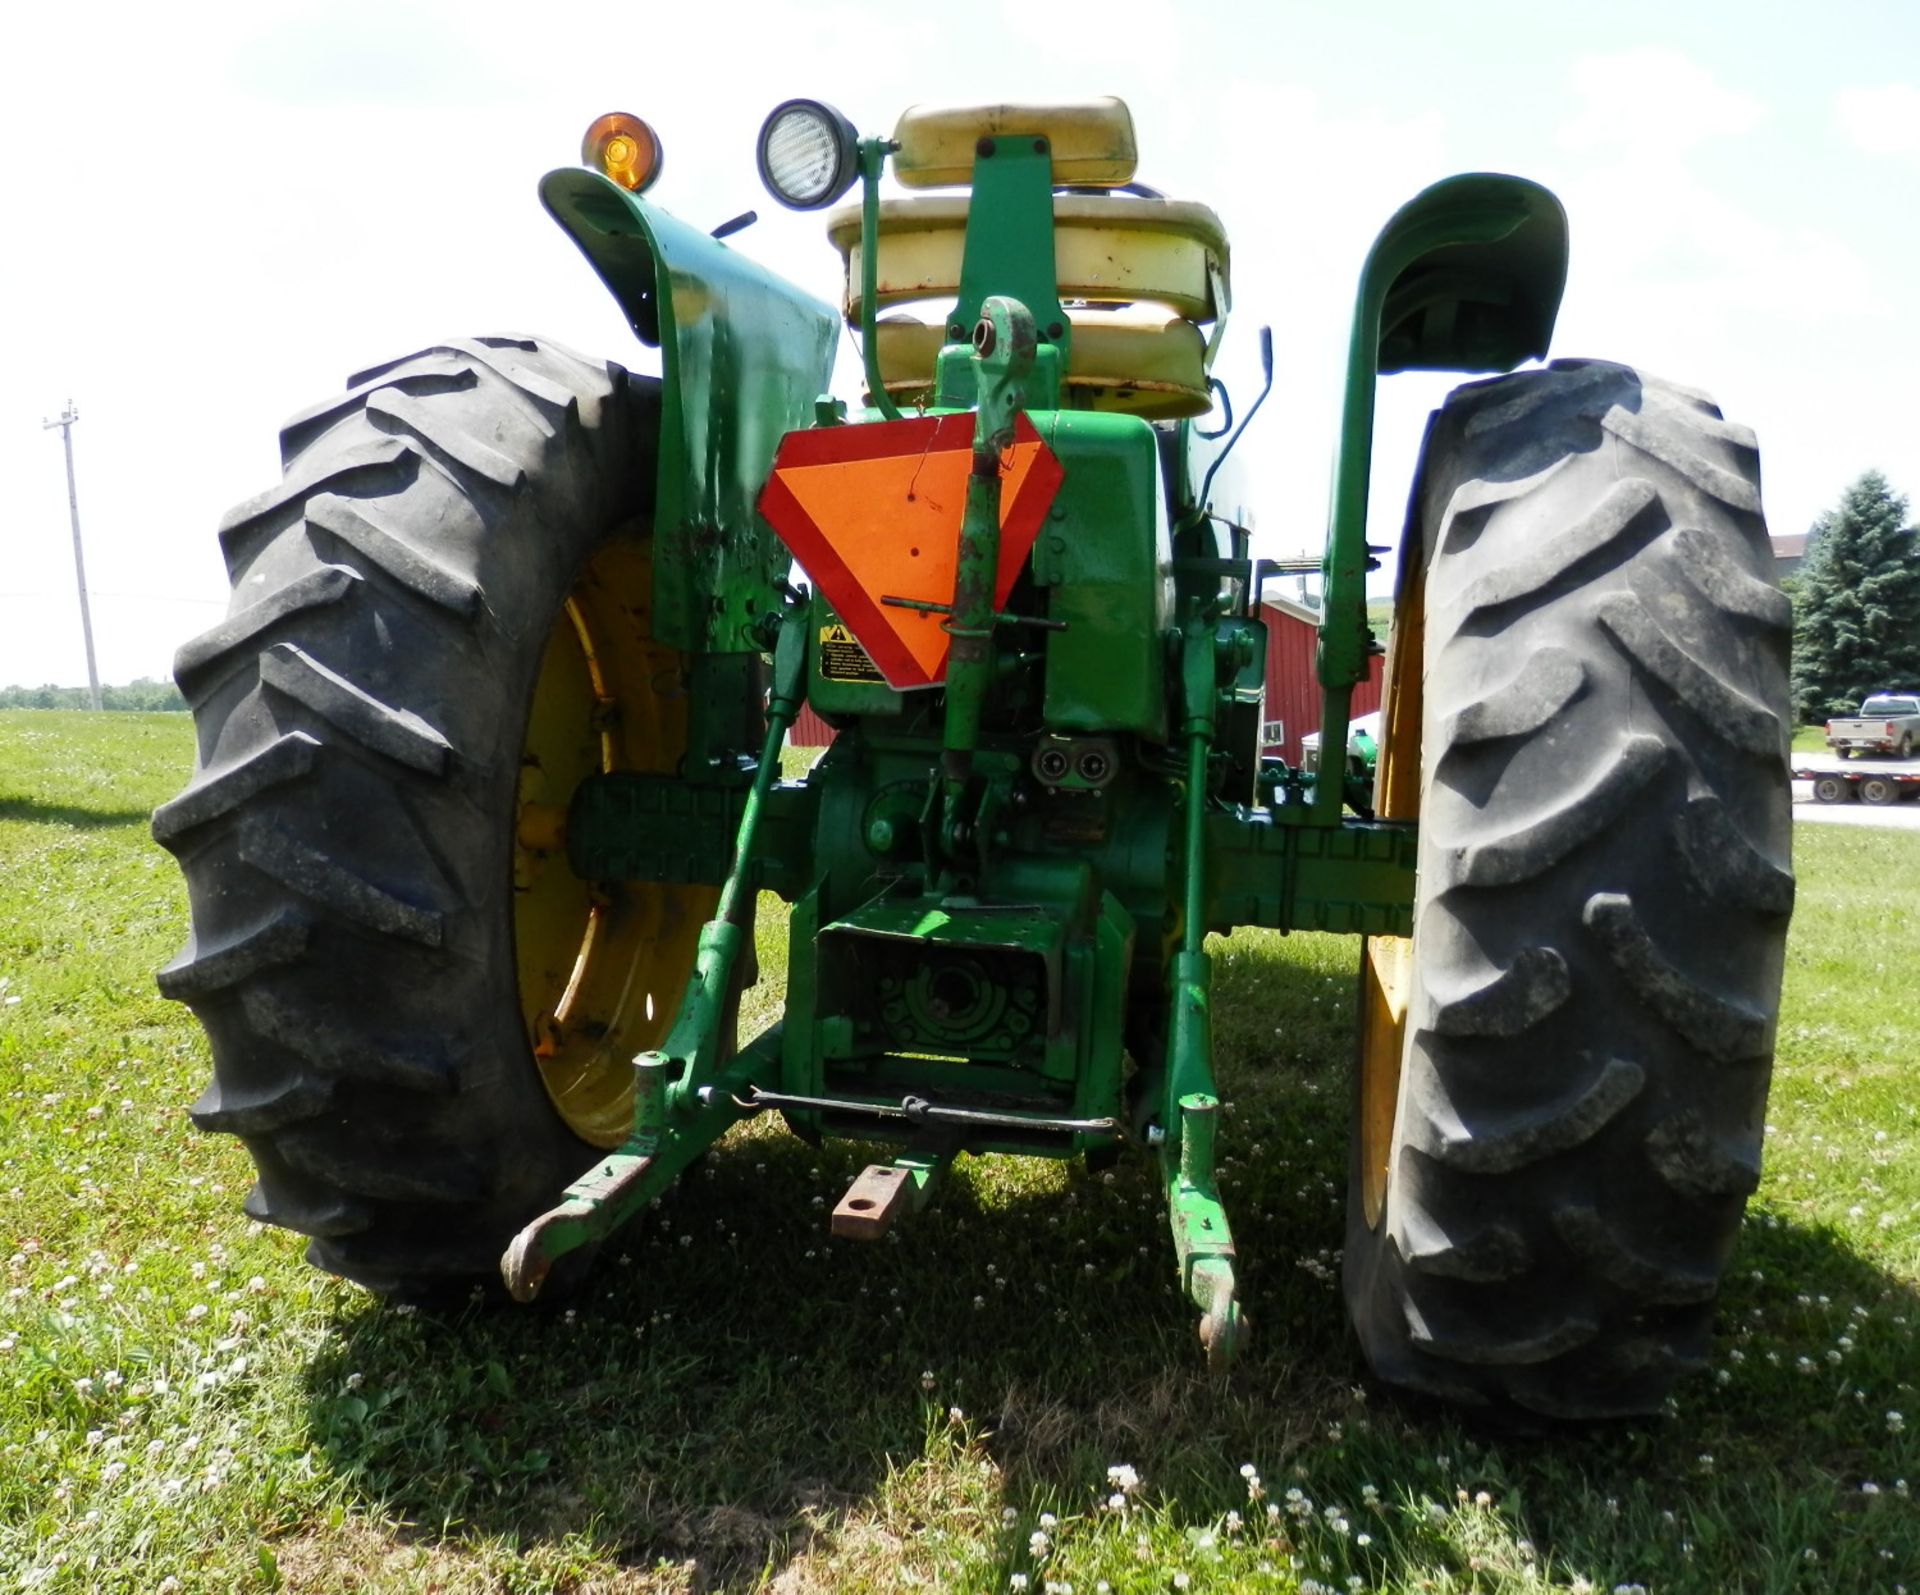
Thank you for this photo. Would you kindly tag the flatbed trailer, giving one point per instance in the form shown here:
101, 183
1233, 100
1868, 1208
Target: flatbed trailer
1832, 785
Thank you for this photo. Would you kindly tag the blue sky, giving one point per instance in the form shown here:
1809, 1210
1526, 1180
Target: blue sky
218, 211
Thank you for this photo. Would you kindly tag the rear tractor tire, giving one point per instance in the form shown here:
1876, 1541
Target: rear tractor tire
420, 1020
1563, 1078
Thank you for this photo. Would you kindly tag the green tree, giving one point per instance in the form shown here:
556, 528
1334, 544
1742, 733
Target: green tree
1856, 626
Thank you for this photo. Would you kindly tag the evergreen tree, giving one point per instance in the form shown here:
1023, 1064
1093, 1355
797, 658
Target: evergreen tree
1856, 623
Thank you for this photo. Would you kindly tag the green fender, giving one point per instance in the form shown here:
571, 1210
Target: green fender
1466, 276
744, 355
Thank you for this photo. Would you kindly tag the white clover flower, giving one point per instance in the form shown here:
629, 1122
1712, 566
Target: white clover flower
1123, 1478
1895, 1423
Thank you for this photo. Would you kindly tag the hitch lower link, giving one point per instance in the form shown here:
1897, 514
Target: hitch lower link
683, 1098
1209, 654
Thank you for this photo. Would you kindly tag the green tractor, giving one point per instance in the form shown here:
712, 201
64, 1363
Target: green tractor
489, 772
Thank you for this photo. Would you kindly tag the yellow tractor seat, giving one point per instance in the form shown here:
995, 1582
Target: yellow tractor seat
1107, 249
1091, 141
1141, 361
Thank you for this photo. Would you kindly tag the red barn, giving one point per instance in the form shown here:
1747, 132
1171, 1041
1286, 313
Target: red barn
1293, 692
1293, 695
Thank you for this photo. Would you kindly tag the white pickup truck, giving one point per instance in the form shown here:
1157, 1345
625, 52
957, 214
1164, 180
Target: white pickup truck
1887, 723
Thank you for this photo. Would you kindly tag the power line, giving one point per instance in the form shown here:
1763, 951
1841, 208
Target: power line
65, 422
136, 598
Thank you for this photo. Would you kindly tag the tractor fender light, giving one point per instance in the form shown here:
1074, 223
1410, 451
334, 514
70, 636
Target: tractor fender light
623, 149
808, 154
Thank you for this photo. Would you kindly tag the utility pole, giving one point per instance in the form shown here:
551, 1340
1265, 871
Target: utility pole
65, 422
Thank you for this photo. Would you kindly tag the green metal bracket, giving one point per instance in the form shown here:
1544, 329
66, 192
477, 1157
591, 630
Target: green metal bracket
1466, 276
1003, 344
1009, 247
873, 157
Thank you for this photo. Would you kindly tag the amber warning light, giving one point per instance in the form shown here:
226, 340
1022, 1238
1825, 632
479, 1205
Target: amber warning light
624, 149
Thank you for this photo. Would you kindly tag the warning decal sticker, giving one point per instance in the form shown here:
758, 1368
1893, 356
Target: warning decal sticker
843, 659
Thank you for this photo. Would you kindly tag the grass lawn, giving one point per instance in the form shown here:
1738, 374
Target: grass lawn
1008, 1391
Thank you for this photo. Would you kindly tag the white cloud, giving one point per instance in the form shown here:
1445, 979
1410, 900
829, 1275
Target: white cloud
1652, 99
1881, 121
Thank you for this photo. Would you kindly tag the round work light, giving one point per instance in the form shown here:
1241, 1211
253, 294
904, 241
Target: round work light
808, 154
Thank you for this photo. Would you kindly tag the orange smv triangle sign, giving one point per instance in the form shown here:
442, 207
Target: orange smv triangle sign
873, 512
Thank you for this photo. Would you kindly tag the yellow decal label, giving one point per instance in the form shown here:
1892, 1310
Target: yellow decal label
843, 659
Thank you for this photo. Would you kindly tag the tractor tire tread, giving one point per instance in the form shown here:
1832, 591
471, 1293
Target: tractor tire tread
343, 835
1607, 830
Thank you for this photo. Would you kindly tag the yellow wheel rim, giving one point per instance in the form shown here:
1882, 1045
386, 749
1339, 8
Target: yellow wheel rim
600, 966
1386, 962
